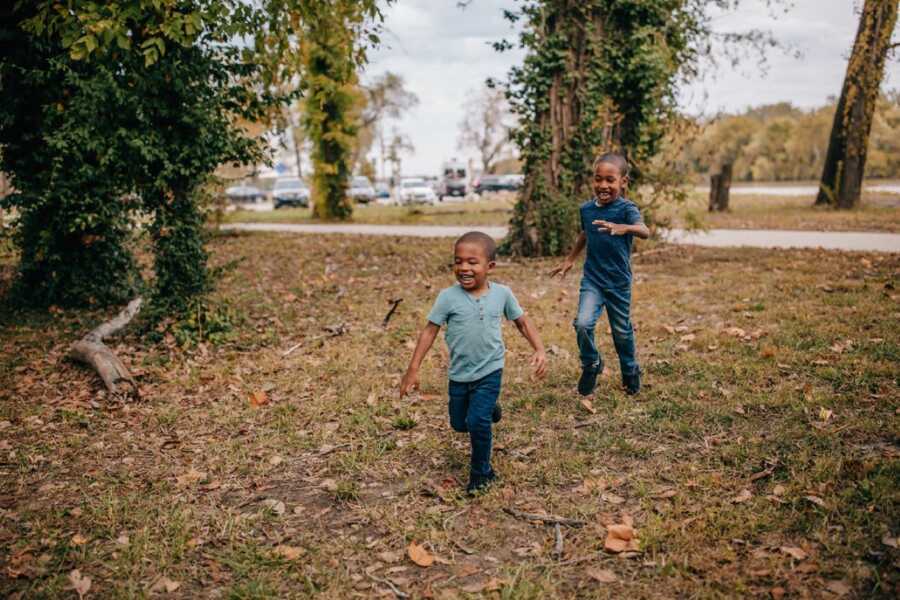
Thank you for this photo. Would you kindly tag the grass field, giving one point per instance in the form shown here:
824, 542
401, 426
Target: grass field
761, 458
879, 212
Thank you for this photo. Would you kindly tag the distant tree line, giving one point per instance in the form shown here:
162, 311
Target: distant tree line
780, 142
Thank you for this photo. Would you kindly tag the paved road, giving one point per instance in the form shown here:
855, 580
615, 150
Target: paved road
756, 238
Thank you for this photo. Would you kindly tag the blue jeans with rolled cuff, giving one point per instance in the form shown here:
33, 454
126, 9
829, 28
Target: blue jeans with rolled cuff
471, 407
617, 301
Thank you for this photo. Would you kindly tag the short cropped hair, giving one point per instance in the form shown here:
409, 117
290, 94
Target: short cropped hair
486, 242
613, 158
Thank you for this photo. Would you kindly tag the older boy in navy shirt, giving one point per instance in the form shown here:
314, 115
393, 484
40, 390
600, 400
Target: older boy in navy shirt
472, 310
608, 224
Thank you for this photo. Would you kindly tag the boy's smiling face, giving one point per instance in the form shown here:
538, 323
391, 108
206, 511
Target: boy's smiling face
471, 266
608, 182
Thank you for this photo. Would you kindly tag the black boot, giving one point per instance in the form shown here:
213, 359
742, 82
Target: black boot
588, 380
632, 382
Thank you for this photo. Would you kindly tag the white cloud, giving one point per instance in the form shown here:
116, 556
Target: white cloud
443, 52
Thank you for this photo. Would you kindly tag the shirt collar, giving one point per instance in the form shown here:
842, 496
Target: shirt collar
598, 205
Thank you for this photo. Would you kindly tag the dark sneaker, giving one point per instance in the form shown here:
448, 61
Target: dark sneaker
588, 380
479, 484
497, 414
632, 382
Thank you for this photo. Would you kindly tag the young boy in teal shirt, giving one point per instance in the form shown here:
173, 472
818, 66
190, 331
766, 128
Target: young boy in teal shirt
608, 224
472, 311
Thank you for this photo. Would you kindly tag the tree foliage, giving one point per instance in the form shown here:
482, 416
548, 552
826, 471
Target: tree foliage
780, 142
599, 75
118, 114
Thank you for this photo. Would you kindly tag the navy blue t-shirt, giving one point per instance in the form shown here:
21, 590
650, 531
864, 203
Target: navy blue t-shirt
608, 261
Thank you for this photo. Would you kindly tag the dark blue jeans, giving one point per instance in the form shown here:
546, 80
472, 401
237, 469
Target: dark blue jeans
471, 408
591, 300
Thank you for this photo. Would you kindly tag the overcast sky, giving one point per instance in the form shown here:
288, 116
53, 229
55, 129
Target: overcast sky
444, 54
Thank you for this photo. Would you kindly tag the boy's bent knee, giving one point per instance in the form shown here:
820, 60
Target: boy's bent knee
582, 326
459, 426
478, 425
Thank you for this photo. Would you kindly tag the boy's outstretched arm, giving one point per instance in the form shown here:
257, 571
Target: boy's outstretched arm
530, 332
637, 229
569, 261
423, 345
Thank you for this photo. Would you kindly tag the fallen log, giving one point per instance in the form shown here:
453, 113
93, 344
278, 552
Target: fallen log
91, 351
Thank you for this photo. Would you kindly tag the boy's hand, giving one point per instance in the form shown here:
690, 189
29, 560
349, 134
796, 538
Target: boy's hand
539, 362
409, 382
612, 228
562, 269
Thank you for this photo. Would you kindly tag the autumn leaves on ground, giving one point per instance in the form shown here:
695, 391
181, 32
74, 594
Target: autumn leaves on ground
760, 459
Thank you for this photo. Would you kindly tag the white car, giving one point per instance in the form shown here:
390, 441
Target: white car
415, 191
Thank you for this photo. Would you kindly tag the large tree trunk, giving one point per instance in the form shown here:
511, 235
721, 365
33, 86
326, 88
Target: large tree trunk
846, 159
536, 231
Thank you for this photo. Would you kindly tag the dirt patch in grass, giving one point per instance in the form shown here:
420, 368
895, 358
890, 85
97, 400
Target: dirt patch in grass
761, 455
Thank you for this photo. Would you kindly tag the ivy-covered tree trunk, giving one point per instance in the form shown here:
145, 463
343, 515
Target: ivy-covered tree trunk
331, 111
598, 77
845, 161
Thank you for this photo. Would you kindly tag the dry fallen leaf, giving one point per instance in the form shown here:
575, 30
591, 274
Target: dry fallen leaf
80, 583
612, 498
289, 552
742, 497
841, 588
79, 540
276, 506
165, 585
797, 553
825, 414
620, 538
388, 557
259, 398
815, 500
777, 593
191, 476
601, 575
419, 555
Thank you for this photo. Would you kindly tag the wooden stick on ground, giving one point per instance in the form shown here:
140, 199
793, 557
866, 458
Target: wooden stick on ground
390, 313
558, 547
91, 351
548, 519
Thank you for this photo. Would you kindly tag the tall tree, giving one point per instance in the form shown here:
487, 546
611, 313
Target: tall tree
400, 144
119, 114
386, 97
845, 161
486, 126
599, 75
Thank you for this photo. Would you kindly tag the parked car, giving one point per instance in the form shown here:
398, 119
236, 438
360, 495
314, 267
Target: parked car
415, 191
290, 191
245, 193
382, 191
491, 183
361, 190
514, 182
454, 180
